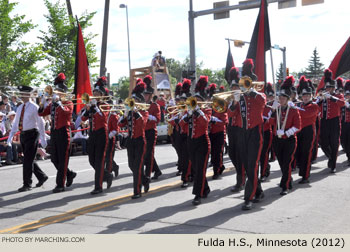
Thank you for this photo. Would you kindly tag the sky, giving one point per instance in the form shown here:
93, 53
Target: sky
163, 25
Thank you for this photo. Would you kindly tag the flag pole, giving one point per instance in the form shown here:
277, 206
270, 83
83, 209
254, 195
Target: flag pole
274, 87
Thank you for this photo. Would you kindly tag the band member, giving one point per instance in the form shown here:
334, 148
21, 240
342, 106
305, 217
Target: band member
113, 129
346, 122
267, 134
31, 127
135, 119
233, 131
196, 120
340, 86
151, 130
330, 105
340, 90
317, 123
217, 133
286, 120
98, 136
306, 137
61, 116
249, 107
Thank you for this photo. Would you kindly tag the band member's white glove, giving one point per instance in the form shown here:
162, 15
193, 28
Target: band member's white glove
190, 112
152, 118
215, 119
59, 103
291, 104
112, 134
291, 131
55, 97
93, 102
280, 133
275, 105
236, 96
184, 117
9, 144
347, 104
43, 143
121, 118
327, 95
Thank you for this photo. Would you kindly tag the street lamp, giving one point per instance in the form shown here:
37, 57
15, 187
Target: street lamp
127, 26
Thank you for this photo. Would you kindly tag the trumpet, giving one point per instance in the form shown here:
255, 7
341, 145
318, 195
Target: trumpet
130, 102
109, 107
248, 83
177, 108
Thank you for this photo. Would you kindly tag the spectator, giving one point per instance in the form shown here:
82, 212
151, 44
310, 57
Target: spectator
161, 102
11, 152
8, 123
158, 62
81, 137
13, 103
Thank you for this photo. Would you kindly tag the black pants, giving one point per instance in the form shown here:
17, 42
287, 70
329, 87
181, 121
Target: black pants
233, 152
346, 138
264, 157
199, 149
136, 148
29, 141
315, 147
96, 148
217, 142
59, 144
184, 163
110, 154
329, 137
285, 150
176, 143
303, 154
149, 160
250, 142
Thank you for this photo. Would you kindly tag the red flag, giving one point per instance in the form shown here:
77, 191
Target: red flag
82, 76
260, 42
340, 64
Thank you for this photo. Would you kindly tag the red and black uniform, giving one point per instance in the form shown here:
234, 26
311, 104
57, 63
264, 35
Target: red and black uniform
317, 123
345, 131
249, 111
136, 146
330, 127
61, 116
285, 146
306, 137
113, 129
233, 131
199, 148
267, 142
217, 134
97, 141
151, 139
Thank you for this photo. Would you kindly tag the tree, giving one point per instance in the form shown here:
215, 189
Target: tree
59, 41
315, 68
17, 58
123, 87
279, 74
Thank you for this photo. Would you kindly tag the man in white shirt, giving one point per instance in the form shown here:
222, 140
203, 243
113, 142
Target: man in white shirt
31, 127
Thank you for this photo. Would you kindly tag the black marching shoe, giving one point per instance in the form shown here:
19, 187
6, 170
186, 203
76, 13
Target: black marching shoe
263, 178
284, 192
222, 170
236, 189
96, 191
190, 178
58, 189
70, 179
9, 162
259, 198
215, 176
304, 181
157, 174
146, 187
332, 170
24, 188
248, 205
109, 181
196, 201
206, 193
115, 169
184, 185
348, 163
136, 196
178, 173
42, 181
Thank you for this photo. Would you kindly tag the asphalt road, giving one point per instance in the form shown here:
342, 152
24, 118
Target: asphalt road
322, 206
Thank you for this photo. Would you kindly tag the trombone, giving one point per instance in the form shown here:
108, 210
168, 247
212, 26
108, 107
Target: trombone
110, 107
248, 83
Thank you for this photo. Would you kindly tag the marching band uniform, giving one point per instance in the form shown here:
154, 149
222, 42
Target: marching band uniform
330, 107
61, 116
31, 127
198, 142
249, 109
136, 143
307, 135
346, 122
98, 138
285, 141
113, 129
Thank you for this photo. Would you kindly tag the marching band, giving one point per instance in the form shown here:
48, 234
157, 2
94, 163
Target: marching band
256, 118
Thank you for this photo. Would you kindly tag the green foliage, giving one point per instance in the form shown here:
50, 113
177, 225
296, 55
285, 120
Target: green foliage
17, 58
59, 40
123, 89
279, 74
315, 68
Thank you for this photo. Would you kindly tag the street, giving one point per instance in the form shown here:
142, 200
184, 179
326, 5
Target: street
322, 206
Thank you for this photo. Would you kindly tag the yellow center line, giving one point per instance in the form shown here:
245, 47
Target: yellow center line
87, 209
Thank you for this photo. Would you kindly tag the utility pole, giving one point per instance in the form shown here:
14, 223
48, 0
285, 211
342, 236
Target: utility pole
104, 40
69, 7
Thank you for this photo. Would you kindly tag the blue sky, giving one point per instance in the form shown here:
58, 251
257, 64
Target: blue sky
163, 25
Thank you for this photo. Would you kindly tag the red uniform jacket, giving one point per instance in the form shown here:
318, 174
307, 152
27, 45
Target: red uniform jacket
345, 114
216, 127
330, 108
112, 122
136, 123
232, 117
61, 116
293, 120
174, 121
199, 123
309, 115
97, 118
266, 116
249, 110
153, 110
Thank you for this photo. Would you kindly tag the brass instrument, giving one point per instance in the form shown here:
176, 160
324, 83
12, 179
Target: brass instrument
130, 102
219, 105
110, 107
86, 98
192, 103
247, 83
181, 106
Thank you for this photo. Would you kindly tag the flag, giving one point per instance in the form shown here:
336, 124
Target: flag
260, 42
229, 64
340, 64
82, 76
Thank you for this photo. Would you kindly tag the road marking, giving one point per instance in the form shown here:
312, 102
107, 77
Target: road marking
88, 209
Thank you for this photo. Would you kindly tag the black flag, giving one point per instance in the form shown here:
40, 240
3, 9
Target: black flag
229, 64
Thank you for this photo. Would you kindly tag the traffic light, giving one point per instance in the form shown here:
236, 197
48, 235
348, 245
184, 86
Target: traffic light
238, 43
287, 71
